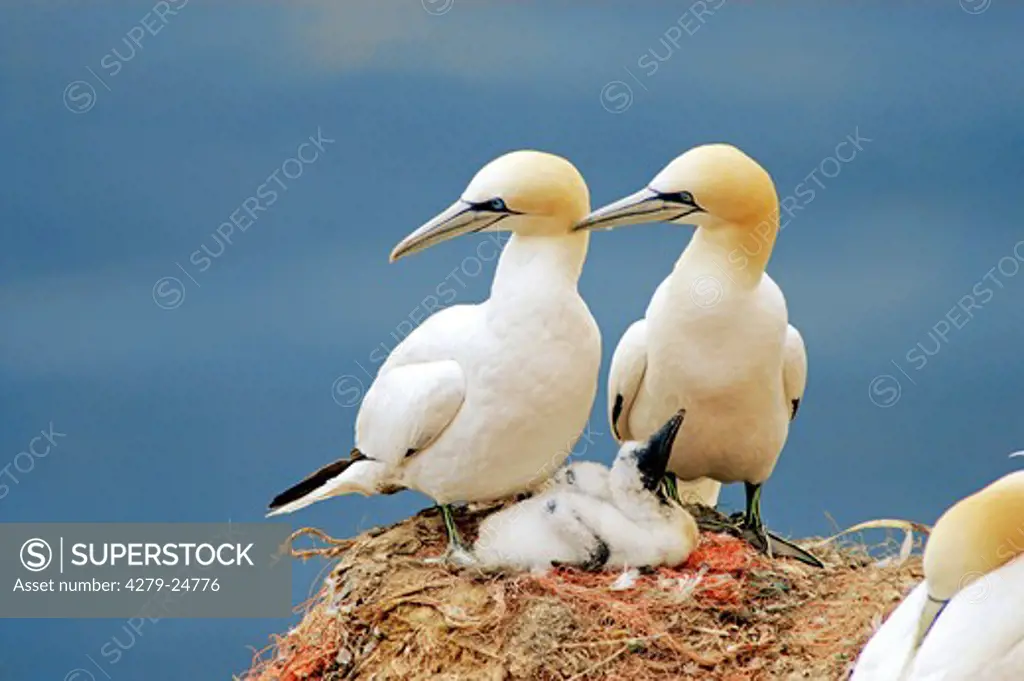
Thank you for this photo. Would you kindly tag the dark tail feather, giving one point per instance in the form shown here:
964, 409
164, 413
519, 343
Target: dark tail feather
777, 547
315, 480
787, 549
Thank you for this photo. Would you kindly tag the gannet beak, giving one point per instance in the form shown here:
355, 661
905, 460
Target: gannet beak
646, 205
653, 456
929, 613
459, 218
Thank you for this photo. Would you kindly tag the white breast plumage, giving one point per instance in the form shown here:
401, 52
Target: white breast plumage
484, 401
715, 339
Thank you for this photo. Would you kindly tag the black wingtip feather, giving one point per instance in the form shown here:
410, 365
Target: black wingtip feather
314, 480
616, 413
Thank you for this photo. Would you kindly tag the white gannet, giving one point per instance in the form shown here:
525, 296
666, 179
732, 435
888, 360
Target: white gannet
484, 401
715, 339
593, 518
964, 622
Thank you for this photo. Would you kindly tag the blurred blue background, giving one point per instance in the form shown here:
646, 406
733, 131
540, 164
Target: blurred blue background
129, 134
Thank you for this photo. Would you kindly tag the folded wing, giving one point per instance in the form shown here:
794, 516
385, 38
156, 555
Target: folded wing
416, 395
794, 369
629, 364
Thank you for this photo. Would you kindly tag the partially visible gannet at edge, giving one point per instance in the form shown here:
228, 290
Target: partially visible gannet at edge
965, 621
715, 339
594, 518
484, 401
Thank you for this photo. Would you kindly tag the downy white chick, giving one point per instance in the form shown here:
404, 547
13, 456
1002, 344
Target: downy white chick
593, 517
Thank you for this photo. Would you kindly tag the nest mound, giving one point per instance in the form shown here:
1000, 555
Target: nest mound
727, 614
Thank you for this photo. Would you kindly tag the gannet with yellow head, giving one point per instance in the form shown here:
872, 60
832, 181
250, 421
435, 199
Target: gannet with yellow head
964, 622
484, 401
715, 339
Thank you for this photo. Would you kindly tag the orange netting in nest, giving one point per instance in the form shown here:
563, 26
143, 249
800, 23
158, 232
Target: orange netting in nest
726, 613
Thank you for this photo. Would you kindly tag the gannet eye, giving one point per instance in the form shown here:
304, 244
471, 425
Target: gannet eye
497, 205
680, 197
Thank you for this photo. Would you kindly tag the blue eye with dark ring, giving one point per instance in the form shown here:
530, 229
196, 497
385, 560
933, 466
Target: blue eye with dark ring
495, 205
685, 198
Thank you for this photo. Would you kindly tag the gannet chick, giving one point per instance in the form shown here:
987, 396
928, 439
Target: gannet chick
484, 401
585, 477
963, 622
631, 525
715, 339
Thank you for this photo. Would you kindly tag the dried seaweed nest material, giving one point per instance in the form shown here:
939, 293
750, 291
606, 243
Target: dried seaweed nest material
727, 614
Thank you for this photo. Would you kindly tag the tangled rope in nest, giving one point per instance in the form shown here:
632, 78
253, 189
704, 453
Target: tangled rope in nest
728, 613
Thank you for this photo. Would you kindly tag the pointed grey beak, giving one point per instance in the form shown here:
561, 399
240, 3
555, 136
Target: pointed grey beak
933, 607
458, 219
653, 455
645, 205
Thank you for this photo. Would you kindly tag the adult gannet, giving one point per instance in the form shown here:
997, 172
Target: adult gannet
964, 621
715, 339
484, 401
593, 517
